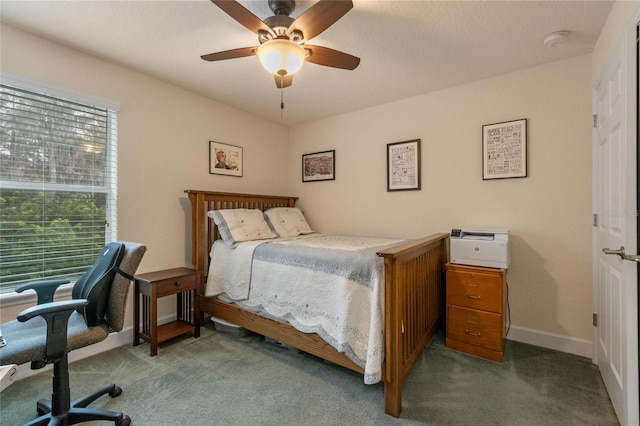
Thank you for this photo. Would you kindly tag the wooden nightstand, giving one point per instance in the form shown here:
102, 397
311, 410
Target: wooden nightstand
475, 310
148, 289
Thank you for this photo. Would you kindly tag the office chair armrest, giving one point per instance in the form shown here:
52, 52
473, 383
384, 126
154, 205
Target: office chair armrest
45, 289
55, 314
47, 309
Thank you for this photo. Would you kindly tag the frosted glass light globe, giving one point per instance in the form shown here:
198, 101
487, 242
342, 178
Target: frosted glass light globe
281, 57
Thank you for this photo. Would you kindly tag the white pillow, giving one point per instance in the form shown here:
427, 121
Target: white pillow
237, 225
287, 221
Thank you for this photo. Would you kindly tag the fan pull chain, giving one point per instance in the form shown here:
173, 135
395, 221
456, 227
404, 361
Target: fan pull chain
281, 96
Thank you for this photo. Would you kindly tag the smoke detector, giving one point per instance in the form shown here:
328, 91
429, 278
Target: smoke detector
556, 39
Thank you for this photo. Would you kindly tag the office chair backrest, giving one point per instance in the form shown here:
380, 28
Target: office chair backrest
95, 284
120, 286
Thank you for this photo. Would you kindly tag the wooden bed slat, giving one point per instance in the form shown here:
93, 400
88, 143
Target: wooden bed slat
414, 290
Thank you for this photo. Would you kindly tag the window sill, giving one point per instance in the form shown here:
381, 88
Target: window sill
29, 297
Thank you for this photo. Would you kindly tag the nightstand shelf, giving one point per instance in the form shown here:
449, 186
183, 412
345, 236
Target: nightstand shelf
173, 329
148, 289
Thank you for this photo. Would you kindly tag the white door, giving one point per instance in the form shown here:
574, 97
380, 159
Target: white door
615, 292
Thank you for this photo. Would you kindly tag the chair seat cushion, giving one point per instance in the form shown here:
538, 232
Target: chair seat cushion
26, 340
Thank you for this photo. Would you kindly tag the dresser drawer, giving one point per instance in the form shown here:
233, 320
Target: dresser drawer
475, 289
175, 285
475, 327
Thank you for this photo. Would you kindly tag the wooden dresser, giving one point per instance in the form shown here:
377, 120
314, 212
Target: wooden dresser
476, 310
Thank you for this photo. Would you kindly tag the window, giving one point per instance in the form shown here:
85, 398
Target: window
57, 184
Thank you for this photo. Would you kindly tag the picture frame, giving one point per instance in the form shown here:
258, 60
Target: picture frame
504, 150
225, 159
319, 166
403, 166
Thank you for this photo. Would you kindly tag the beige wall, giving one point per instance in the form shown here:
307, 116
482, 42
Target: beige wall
548, 213
164, 134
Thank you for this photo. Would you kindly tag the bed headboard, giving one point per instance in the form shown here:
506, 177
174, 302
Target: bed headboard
204, 231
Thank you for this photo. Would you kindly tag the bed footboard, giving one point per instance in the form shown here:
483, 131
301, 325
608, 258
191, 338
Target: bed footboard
414, 303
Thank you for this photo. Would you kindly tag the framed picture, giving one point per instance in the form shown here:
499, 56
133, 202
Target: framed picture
225, 159
403, 165
319, 166
504, 150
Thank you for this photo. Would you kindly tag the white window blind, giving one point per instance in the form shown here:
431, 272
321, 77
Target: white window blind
58, 168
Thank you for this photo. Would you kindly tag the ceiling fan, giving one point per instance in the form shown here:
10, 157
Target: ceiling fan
282, 49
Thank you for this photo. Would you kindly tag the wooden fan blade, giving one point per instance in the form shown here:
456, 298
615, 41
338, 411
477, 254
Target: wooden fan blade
319, 17
331, 58
243, 16
283, 81
230, 54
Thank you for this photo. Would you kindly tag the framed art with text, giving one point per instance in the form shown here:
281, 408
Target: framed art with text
504, 150
225, 159
319, 166
403, 165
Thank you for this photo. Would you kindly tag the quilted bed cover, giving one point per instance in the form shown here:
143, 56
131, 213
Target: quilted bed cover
329, 285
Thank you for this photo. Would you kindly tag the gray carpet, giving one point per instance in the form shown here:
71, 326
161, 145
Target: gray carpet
222, 380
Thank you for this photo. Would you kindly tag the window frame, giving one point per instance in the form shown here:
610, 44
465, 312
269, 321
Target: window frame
113, 108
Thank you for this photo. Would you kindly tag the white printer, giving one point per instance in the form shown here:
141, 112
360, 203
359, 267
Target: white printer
480, 247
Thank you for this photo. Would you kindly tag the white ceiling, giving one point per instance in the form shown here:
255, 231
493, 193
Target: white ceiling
407, 48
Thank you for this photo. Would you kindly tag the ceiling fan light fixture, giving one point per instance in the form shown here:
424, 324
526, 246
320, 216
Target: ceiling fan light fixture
281, 56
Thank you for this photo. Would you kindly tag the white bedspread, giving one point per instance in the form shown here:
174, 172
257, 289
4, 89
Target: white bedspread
232, 272
329, 285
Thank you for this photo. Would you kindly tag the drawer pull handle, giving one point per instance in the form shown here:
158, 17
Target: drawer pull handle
472, 333
469, 296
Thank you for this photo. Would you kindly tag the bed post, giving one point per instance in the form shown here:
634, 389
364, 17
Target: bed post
414, 291
197, 230
392, 371
198, 238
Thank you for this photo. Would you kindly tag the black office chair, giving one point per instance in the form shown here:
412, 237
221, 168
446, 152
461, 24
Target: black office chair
44, 334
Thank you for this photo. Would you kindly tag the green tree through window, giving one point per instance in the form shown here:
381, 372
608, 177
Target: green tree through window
57, 185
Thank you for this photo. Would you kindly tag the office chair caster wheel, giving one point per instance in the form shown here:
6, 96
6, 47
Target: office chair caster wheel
43, 407
126, 421
117, 391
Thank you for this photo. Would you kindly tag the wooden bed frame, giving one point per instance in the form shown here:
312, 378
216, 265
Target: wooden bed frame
414, 294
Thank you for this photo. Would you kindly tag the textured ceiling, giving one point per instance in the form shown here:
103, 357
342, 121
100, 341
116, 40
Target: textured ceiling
407, 48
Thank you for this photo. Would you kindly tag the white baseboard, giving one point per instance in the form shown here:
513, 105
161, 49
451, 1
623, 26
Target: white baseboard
558, 342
